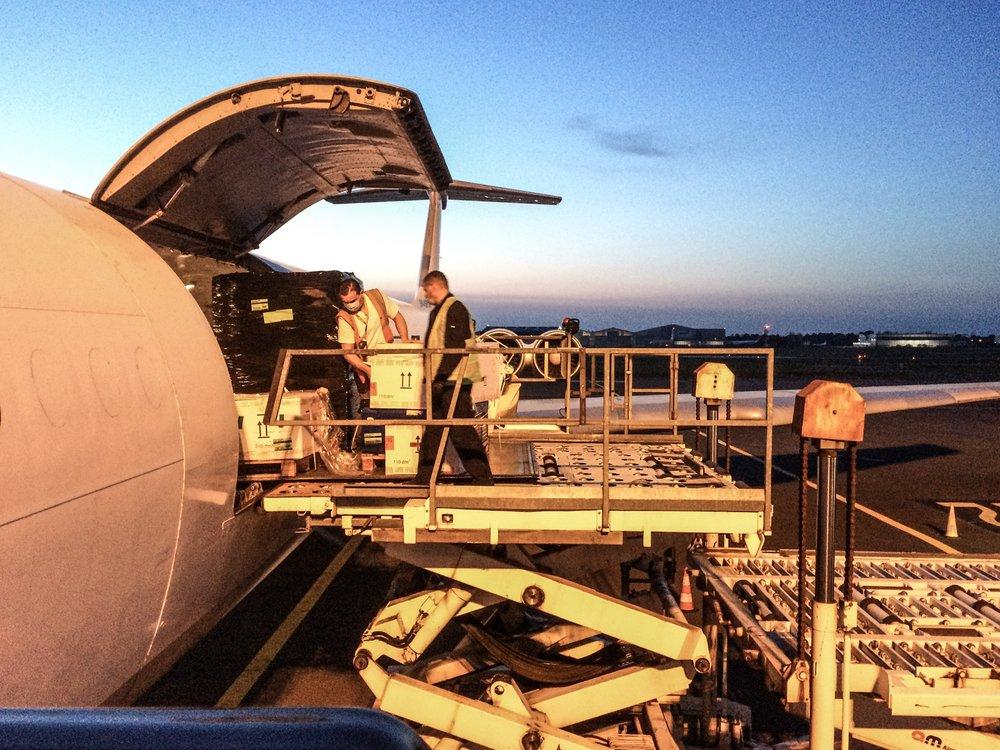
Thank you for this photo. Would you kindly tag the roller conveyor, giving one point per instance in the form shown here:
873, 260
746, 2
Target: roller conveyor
927, 634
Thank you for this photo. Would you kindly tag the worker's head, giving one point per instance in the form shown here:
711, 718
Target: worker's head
435, 286
350, 293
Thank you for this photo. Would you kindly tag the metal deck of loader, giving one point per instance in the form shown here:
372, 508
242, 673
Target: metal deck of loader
576, 479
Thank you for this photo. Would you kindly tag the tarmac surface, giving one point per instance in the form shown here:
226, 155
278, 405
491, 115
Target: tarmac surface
909, 464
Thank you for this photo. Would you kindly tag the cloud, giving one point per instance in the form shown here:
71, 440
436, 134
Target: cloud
632, 142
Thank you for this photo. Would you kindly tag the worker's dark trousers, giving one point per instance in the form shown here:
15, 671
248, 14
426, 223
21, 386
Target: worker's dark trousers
465, 439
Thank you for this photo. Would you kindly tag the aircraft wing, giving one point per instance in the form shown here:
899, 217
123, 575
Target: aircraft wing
750, 404
220, 176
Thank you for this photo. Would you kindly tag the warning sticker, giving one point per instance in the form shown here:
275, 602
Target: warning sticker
277, 316
257, 305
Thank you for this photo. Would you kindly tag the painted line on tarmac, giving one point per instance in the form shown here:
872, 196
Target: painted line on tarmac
239, 690
863, 508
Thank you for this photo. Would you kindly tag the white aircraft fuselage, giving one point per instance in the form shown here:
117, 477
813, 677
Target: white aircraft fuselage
118, 541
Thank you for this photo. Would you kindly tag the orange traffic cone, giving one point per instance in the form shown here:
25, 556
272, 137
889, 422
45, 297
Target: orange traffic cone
686, 602
952, 529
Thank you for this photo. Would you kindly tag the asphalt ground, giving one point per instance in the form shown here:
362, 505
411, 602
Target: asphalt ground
909, 463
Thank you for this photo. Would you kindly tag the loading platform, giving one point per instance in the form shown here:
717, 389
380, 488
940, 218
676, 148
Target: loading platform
560, 661
554, 653
559, 499
580, 478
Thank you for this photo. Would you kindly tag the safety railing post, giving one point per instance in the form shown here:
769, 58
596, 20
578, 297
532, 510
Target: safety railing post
565, 371
768, 439
627, 388
428, 378
606, 450
439, 455
674, 380
583, 385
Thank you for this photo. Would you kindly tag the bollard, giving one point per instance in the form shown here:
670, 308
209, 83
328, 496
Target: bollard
951, 529
831, 416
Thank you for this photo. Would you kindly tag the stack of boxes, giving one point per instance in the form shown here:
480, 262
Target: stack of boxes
397, 392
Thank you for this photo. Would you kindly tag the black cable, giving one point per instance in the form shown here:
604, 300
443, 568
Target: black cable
729, 415
852, 492
697, 418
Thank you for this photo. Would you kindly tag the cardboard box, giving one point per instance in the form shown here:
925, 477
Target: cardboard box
375, 439
259, 442
402, 449
398, 379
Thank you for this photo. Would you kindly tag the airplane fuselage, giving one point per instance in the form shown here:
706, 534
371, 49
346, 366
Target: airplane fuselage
119, 544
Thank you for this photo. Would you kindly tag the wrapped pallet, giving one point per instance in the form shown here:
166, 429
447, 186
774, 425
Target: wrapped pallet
255, 315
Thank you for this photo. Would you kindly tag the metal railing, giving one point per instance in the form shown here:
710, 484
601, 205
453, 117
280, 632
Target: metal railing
578, 424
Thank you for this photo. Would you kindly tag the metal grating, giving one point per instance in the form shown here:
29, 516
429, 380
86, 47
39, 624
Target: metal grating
671, 465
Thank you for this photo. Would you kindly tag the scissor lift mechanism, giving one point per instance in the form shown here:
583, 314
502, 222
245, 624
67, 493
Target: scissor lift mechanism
926, 642
581, 481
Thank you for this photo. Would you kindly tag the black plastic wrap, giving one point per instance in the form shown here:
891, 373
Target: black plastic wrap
254, 315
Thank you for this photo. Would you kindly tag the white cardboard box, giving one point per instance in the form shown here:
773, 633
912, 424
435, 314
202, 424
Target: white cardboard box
398, 379
402, 449
259, 442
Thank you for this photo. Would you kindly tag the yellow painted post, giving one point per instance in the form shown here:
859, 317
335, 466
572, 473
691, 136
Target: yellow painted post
846, 718
824, 675
831, 415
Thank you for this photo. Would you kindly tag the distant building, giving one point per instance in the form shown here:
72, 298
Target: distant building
935, 340
866, 340
678, 335
607, 337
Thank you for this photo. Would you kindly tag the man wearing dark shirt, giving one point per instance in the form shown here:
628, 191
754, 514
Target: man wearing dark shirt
450, 327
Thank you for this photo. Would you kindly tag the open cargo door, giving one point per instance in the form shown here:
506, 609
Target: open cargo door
226, 172
223, 174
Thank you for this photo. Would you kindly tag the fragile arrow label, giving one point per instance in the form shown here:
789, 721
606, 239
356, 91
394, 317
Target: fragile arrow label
406, 381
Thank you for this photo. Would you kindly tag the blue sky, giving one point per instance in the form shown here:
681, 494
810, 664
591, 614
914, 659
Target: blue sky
816, 166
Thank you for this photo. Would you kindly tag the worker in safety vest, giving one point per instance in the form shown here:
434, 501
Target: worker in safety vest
450, 327
363, 322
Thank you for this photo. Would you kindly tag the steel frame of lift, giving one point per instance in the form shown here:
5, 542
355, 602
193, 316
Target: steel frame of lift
432, 527
921, 636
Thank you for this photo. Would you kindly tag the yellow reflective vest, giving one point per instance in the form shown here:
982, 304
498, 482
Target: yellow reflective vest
435, 340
